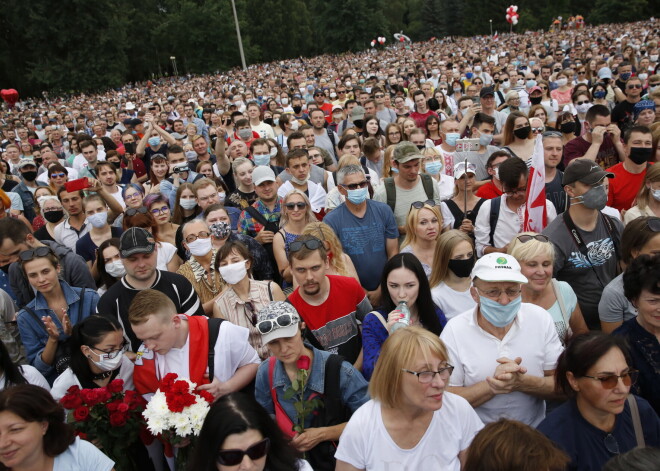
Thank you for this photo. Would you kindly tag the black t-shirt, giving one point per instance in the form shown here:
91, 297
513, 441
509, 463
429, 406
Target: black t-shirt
9, 185
622, 114
116, 301
43, 234
554, 191
86, 248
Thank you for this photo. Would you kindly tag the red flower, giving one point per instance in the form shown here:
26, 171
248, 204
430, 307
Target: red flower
206, 395
167, 381
115, 386
303, 362
118, 419
81, 414
71, 401
82, 435
122, 407
73, 389
114, 405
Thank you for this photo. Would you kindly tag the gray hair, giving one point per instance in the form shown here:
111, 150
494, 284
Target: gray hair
343, 172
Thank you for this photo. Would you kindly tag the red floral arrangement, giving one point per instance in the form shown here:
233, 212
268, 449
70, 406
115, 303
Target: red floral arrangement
108, 417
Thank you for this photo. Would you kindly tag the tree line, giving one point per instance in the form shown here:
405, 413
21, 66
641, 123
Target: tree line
77, 45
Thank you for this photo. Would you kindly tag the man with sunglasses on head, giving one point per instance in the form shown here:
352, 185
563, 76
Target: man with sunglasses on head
366, 229
330, 305
504, 351
586, 240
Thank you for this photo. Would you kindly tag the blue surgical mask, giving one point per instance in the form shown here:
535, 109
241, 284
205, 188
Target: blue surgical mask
154, 141
358, 196
98, 220
433, 168
395, 170
452, 137
191, 155
531, 83
497, 314
261, 159
485, 139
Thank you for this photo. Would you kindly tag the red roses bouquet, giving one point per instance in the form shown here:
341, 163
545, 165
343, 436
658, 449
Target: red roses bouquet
109, 417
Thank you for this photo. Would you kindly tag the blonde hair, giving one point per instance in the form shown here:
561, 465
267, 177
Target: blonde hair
387, 160
413, 219
317, 229
652, 176
309, 214
444, 247
150, 302
524, 251
347, 159
399, 351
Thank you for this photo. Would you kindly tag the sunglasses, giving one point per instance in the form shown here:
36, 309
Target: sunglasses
610, 381
653, 224
537, 130
527, 237
319, 94
421, 204
235, 457
582, 102
630, 87
379, 96
299, 205
28, 255
249, 308
582, 73
311, 244
355, 186
134, 211
268, 325
58, 175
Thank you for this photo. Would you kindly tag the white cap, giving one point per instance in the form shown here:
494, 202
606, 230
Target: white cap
261, 174
498, 267
130, 105
460, 170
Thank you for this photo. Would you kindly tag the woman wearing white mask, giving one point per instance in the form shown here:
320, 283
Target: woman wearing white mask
582, 103
199, 269
244, 296
109, 265
564, 88
648, 198
97, 216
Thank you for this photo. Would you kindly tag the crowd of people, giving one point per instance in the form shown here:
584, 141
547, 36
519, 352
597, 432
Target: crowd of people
367, 214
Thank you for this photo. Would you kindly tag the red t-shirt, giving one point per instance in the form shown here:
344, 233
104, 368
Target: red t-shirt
420, 119
488, 191
327, 111
624, 187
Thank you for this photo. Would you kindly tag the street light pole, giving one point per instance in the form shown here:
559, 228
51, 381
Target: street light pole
491, 27
174, 69
238, 33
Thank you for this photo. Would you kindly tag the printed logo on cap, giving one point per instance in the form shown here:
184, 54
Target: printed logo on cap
501, 261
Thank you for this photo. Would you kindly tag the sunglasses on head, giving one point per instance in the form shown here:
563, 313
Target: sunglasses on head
134, 211
29, 254
299, 205
269, 325
610, 381
421, 204
653, 224
527, 237
235, 457
311, 244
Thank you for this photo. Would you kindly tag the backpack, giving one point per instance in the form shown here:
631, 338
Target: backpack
495, 204
390, 189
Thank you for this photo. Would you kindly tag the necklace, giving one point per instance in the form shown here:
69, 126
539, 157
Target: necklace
104, 375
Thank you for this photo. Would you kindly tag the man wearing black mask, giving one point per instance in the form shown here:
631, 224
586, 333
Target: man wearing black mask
28, 171
630, 174
296, 104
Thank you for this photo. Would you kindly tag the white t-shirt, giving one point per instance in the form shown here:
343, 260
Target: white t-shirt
68, 379
117, 195
445, 186
82, 456
31, 375
165, 253
232, 351
366, 443
474, 352
450, 301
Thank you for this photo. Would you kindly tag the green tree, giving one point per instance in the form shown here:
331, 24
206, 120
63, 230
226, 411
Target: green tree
606, 11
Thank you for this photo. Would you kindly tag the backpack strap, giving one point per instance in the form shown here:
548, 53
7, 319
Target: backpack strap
427, 183
495, 204
390, 192
214, 332
331, 136
456, 212
82, 300
335, 410
380, 318
637, 423
34, 315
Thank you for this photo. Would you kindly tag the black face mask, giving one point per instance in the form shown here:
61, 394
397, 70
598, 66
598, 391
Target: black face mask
117, 165
358, 123
54, 216
269, 121
421, 146
535, 100
297, 109
567, 128
461, 268
29, 176
640, 155
522, 133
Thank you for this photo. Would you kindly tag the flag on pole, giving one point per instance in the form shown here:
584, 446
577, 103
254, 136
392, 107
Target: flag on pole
536, 214
496, 36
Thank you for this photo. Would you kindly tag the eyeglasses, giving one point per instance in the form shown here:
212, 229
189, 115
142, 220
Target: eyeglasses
299, 205
58, 175
355, 186
421, 204
311, 244
586, 102
132, 195
29, 254
134, 211
113, 354
516, 191
496, 293
396, 133
527, 237
543, 88
630, 87
425, 377
537, 130
341, 92
234, 457
610, 381
611, 444
157, 211
477, 83
199, 235
266, 326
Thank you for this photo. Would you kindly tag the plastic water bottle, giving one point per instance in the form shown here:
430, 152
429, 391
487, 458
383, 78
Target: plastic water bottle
405, 320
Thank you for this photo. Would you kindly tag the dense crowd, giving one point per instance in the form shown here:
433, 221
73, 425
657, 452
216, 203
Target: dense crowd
370, 212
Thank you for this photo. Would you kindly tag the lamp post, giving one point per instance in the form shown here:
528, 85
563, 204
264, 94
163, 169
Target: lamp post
238, 34
491, 27
173, 59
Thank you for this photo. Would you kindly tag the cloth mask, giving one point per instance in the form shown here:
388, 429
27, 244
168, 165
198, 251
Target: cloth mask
188, 203
54, 216
640, 155
200, 247
643, 76
115, 269
568, 127
244, 134
595, 198
234, 272
285, 101
297, 109
583, 108
598, 94
535, 100
357, 196
220, 230
98, 220
497, 314
461, 268
452, 137
625, 76
29, 176
261, 159
522, 133
562, 82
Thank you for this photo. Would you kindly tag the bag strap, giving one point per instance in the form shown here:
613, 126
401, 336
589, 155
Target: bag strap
582, 247
381, 319
283, 420
256, 215
495, 204
427, 183
82, 300
270, 291
331, 136
390, 192
560, 300
637, 423
214, 332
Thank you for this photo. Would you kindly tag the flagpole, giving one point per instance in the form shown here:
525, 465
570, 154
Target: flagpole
465, 199
491, 27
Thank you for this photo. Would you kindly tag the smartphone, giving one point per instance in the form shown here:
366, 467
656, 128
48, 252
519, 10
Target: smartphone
76, 185
467, 145
476, 100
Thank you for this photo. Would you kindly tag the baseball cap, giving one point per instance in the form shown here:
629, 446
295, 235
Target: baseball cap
486, 91
535, 88
26, 162
130, 105
136, 240
262, 173
497, 266
318, 91
460, 169
337, 107
605, 73
278, 319
585, 171
357, 113
406, 151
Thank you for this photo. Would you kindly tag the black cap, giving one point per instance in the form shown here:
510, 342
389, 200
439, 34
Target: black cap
486, 91
584, 171
136, 240
318, 91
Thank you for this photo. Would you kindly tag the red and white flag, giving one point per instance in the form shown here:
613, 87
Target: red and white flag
496, 36
536, 214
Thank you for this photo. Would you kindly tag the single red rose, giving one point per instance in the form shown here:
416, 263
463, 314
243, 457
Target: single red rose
73, 389
303, 362
122, 407
81, 413
71, 401
115, 386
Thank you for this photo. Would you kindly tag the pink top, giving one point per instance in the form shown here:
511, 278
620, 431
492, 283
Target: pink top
563, 98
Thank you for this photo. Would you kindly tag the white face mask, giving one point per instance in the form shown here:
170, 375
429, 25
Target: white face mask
656, 194
107, 364
200, 247
115, 269
294, 125
234, 272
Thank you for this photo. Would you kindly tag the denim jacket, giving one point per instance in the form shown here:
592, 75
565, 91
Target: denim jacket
352, 385
33, 334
